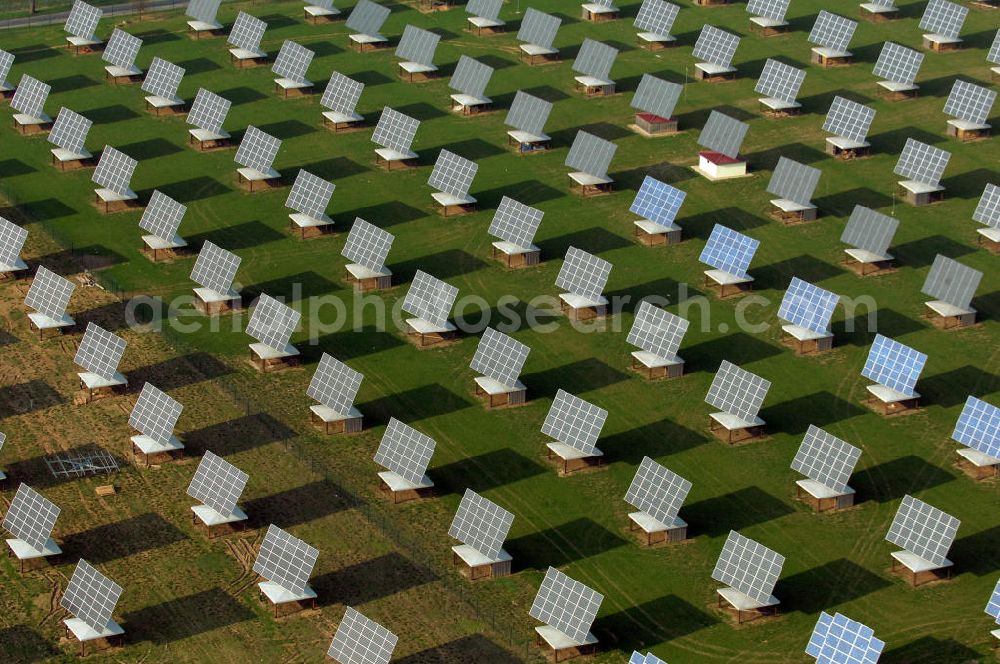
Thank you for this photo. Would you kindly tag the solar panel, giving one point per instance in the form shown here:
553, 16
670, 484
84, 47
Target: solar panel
772, 9
656, 96
590, 154
794, 181
849, 119
100, 351
840, 640
215, 268
417, 45
988, 209
367, 17
826, 459
82, 20
257, 150
898, 64
430, 298
943, 18
272, 322
471, 77
893, 365
360, 640
334, 384
367, 245
574, 422
247, 32
538, 28
203, 10
566, 604
951, 282
49, 293
993, 56
293, 61
155, 413
499, 357
405, 451
528, 113
515, 222
716, 46
12, 238
122, 49
310, 195
869, 230
285, 560
3, 439
780, 81
162, 216
723, 134
657, 491
484, 8
923, 530
583, 274
921, 162
656, 16
208, 111
114, 170
481, 524
993, 607
30, 96
452, 174
657, 331
163, 79
808, 306
341, 94
729, 251
217, 483
6, 61
970, 102
395, 130
749, 567
31, 517
90, 596
69, 131
832, 31
978, 427
737, 391
595, 59
657, 201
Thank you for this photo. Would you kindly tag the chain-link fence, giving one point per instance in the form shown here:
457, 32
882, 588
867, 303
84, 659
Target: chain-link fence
27, 13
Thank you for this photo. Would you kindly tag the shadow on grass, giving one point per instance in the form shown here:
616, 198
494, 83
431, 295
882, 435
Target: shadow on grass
351, 344
184, 617
584, 375
242, 95
779, 275
736, 510
842, 204
894, 479
655, 440
418, 404
738, 219
862, 328
595, 240
22, 644
292, 288
180, 372
976, 553
442, 264
739, 348
485, 471
472, 648
384, 215
14, 167
820, 408
198, 66
651, 623
930, 650
831, 584
194, 189
921, 253
371, 580
941, 389
240, 236
335, 168
237, 435
122, 539
529, 192
562, 544
110, 114
28, 397
150, 149
302, 504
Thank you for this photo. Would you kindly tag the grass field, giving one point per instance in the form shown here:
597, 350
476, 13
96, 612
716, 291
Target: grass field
190, 600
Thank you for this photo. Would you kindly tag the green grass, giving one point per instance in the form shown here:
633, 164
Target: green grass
659, 599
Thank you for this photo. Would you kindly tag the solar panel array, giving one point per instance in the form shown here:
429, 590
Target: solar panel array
922, 162
583, 274
293, 61
656, 96
898, 64
208, 111
970, 102
649, 658
203, 10
657, 491
272, 322
794, 181
515, 222
114, 170
893, 365
772, 9
943, 18
826, 459
574, 422
334, 384
993, 56
257, 150
215, 268
100, 351
31, 517
49, 293
951, 282
737, 391
471, 77
405, 451
499, 356
595, 59
657, 331
832, 31
367, 245
657, 201
69, 131
12, 238
590, 154
988, 209
566, 604
840, 640
656, 16
993, 607
90, 596
122, 49
285, 560
6, 62
869, 230
417, 45
808, 306
453, 174
528, 113
723, 134
360, 640
367, 17
481, 524
780, 81
430, 298
162, 216
923, 530
849, 119
341, 94
729, 251
310, 195
395, 130
30, 96
247, 32
484, 8
155, 413
163, 78
538, 28
716, 46
83, 19
978, 427
217, 483
749, 567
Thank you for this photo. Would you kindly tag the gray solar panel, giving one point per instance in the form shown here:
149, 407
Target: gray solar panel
737, 391
951, 282
215, 268
31, 517
566, 604
12, 239
978, 427
405, 451
794, 181
90, 596
453, 174
69, 131
310, 195
208, 111
657, 331
481, 524
285, 560
417, 45
574, 422
334, 384
657, 201
162, 216
484, 8
749, 567
217, 484
114, 170
583, 274
272, 322
723, 134
923, 530
155, 414
656, 16
471, 77
82, 20
122, 49
590, 154
970, 102
894, 365
100, 351
49, 293
163, 78
595, 59
826, 459
716, 46
943, 18
538, 28
993, 607
988, 209
832, 31
849, 119
360, 640
257, 150
395, 130
528, 113
430, 299
342, 94
780, 81
293, 61
30, 97
993, 56
808, 306
499, 357
657, 491
840, 640
921, 162
367, 17
515, 222
6, 62
729, 251
656, 96
772, 9
898, 64
367, 245
869, 230
203, 10
247, 32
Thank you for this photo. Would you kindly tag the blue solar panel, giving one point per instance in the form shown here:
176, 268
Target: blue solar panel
993, 607
653, 659
657, 201
637, 658
978, 427
894, 365
840, 640
819, 633
729, 251
808, 306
